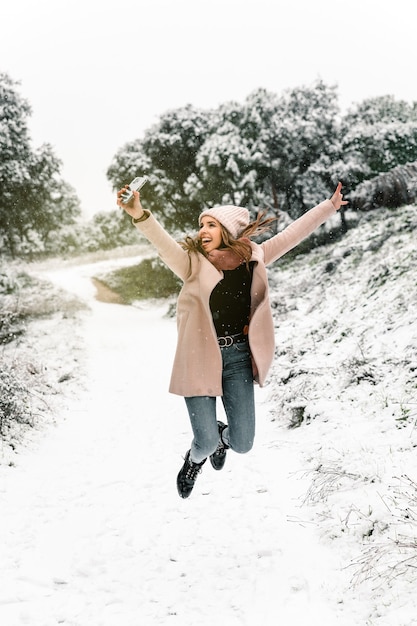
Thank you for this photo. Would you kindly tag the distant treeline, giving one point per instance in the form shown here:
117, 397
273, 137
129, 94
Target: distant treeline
275, 152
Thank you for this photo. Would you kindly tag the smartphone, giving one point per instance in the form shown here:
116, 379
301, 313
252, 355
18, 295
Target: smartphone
136, 184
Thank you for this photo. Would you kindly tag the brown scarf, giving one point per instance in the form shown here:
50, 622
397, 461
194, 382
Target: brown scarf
225, 258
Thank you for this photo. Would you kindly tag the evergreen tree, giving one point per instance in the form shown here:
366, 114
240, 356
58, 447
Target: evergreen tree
33, 198
377, 135
270, 152
167, 153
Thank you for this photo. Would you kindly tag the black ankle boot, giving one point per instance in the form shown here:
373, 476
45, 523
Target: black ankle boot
188, 475
218, 458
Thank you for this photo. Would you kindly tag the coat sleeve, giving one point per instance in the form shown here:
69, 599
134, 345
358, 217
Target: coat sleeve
290, 237
170, 251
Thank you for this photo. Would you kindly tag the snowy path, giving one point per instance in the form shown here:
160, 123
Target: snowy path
93, 532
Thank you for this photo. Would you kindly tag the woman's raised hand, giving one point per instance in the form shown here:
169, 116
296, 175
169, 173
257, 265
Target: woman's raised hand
133, 207
337, 197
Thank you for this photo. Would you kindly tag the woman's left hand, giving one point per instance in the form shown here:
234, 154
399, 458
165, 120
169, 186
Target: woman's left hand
337, 197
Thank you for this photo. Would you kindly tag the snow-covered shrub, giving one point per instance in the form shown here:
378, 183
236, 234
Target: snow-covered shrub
105, 231
10, 327
14, 396
327, 479
8, 281
396, 555
24, 381
395, 188
25, 296
10, 323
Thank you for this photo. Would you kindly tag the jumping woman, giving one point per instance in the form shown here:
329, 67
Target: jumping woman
226, 337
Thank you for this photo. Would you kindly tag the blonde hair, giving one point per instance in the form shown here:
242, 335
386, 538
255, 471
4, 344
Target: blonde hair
241, 246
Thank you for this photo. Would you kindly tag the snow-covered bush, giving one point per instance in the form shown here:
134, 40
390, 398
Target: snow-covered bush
24, 381
14, 396
390, 189
10, 324
105, 231
8, 281
394, 555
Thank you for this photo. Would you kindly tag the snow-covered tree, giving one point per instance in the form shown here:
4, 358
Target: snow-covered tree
377, 135
270, 152
224, 161
167, 153
128, 162
33, 197
304, 131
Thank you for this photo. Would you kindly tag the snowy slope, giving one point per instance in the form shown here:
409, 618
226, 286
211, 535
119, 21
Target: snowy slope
93, 531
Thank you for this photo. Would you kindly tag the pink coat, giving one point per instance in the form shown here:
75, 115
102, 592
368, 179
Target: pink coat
197, 369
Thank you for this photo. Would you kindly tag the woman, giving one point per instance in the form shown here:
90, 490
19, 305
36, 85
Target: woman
224, 320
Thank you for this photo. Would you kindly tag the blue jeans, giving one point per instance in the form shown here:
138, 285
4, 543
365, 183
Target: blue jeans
239, 405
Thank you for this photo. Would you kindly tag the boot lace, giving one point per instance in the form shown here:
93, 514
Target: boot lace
221, 449
193, 470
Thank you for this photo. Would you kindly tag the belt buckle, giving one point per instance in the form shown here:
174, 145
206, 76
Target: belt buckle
228, 341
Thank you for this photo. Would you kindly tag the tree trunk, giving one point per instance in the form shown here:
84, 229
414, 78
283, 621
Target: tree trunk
344, 226
275, 205
10, 244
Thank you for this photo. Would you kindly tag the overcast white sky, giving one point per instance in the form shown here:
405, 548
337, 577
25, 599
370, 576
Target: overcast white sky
97, 74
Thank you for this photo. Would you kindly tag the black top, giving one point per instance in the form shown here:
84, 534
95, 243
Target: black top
230, 300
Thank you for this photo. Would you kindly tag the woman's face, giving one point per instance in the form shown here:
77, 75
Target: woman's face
210, 233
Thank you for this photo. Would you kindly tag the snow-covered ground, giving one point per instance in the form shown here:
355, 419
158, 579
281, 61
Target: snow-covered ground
302, 530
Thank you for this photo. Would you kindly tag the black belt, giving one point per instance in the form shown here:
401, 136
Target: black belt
229, 340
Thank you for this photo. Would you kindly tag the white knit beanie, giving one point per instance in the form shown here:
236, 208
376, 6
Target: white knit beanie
234, 218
